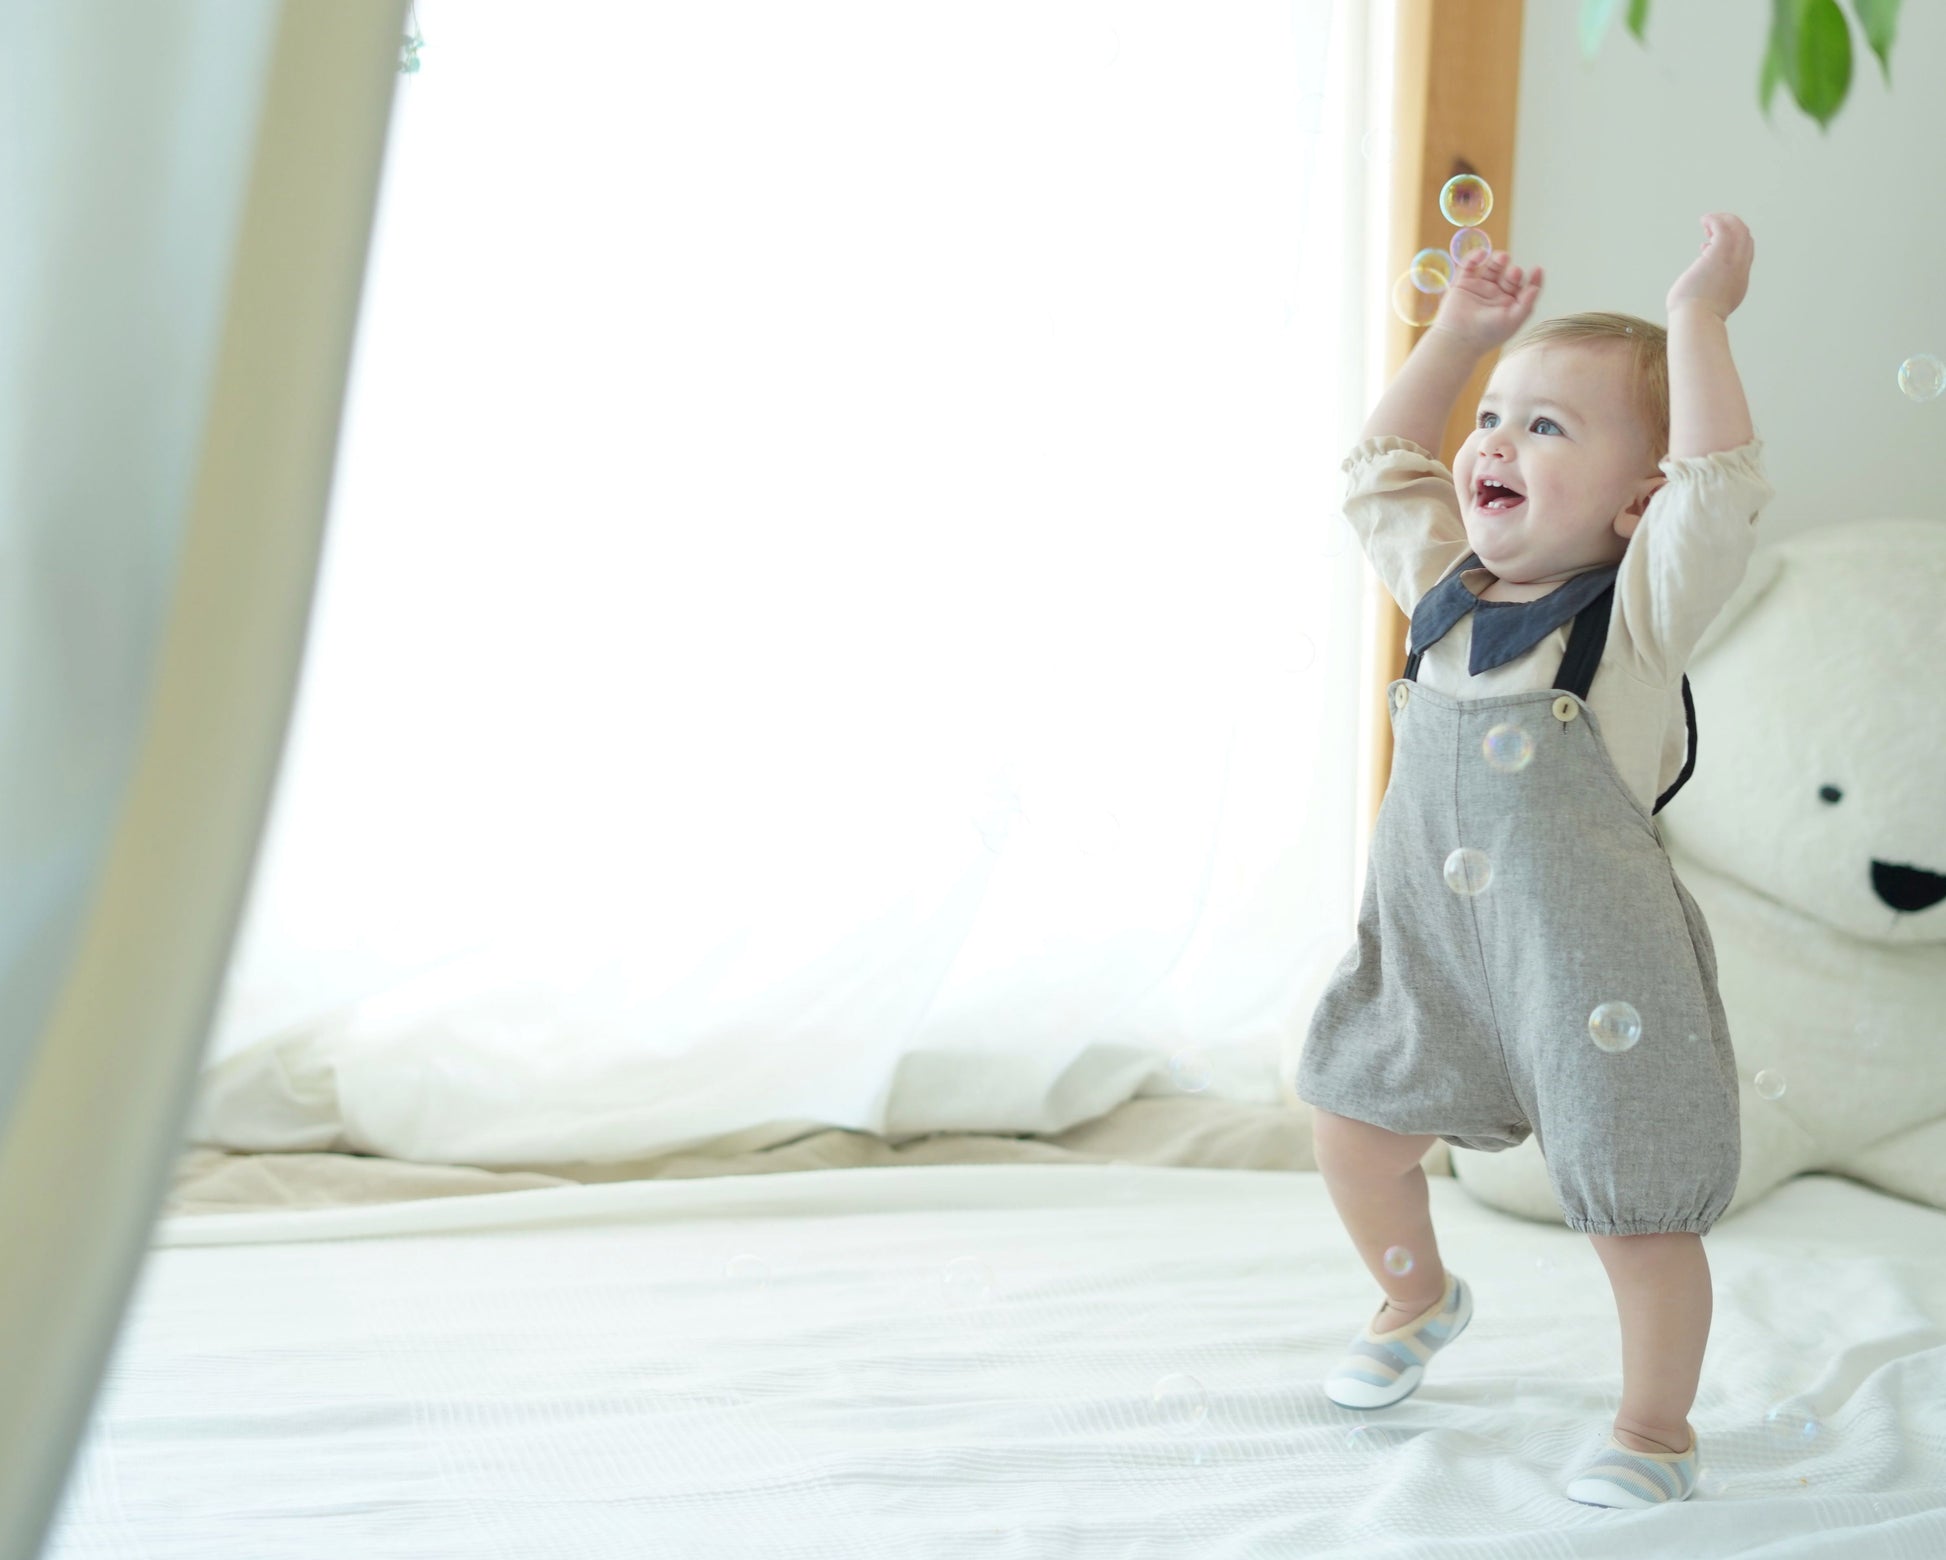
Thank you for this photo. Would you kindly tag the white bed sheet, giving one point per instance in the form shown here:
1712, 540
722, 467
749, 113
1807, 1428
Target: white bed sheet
959, 1360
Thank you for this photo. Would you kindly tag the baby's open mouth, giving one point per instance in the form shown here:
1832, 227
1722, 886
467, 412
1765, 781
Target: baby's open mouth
1496, 497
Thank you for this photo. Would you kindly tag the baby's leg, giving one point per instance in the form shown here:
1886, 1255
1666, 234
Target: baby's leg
1376, 1182
1662, 1292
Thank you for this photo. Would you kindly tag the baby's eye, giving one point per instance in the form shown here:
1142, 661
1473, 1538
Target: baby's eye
1488, 419
1549, 421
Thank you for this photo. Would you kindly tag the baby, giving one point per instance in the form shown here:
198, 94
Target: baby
1526, 960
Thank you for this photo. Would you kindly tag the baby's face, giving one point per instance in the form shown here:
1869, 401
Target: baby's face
1559, 432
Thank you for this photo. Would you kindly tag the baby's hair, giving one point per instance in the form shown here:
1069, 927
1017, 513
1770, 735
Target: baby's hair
1649, 344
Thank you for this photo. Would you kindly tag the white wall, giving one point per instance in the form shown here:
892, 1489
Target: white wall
1616, 159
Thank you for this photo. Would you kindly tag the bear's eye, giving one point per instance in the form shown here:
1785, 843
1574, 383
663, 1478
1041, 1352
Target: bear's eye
1829, 793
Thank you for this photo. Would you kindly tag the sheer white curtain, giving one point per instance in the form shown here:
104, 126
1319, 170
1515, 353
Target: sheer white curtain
189, 188
834, 608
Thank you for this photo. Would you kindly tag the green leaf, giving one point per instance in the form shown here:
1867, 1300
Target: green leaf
1773, 71
1880, 19
1595, 17
1638, 18
1817, 57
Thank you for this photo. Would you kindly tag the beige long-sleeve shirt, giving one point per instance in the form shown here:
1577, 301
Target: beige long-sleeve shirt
1681, 565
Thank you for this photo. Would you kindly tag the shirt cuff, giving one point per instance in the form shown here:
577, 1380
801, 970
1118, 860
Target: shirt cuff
1735, 473
1369, 450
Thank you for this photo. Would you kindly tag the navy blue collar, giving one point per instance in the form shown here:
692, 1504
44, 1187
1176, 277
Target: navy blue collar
1503, 630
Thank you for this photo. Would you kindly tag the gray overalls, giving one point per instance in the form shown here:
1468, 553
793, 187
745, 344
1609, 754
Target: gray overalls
1464, 1010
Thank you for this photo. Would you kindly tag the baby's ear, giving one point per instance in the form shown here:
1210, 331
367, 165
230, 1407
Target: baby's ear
1645, 490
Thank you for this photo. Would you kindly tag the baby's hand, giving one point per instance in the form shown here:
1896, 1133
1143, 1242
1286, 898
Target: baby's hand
1719, 277
1486, 301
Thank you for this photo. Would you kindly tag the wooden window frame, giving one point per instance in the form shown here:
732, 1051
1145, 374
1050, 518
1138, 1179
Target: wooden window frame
1458, 87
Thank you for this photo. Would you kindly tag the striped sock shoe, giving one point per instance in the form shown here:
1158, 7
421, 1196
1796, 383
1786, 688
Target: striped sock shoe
1621, 1477
1381, 1368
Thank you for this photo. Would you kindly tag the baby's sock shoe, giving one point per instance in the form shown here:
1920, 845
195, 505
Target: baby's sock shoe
1381, 1368
1620, 1476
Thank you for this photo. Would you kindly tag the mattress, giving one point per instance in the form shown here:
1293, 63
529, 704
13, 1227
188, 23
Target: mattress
991, 1360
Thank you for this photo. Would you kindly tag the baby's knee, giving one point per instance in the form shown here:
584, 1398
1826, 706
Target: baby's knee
1345, 1145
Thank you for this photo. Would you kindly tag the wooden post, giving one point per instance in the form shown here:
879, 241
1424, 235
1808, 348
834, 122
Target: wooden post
1458, 64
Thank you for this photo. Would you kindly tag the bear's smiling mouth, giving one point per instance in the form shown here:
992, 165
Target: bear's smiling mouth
1907, 888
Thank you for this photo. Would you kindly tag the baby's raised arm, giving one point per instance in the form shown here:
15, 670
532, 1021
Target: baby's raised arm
1485, 303
1707, 409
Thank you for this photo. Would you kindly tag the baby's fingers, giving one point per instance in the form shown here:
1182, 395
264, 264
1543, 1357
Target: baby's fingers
1725, 231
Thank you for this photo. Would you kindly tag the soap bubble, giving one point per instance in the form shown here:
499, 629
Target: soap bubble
1190, 1071
1922, 377
1398, 1261
965, 1281
1415, 297
1793, 1421
1369, 1440
1179, 1402
1468, 239
1507, 747
1431, 270
1468, 871
1466, 200
748, 1269
1614, 1026
997, 806
1770, 1084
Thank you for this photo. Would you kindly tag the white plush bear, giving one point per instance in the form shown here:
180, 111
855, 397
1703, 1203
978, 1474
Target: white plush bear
1813, 835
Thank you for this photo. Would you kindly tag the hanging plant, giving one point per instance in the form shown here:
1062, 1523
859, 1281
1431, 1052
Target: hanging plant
1809, 47
411, 45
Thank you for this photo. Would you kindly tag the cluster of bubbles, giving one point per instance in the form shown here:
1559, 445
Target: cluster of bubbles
1922, 377
1466, 200
1612, 1026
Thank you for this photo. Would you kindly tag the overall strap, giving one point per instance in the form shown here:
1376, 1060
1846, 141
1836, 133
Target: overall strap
1585, 644
1688, 763
1577, 675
